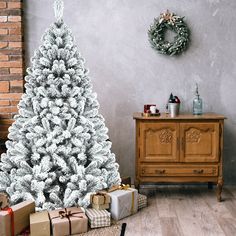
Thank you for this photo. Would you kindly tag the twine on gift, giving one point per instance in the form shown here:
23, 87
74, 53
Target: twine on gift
11, 213
67, 214
103, 194
119, 187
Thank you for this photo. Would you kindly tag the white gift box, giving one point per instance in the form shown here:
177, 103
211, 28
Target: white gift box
123, 203
98, 218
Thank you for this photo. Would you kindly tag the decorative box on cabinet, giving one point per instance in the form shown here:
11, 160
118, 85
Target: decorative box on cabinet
187, 148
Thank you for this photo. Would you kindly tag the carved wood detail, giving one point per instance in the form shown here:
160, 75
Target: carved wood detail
165, 136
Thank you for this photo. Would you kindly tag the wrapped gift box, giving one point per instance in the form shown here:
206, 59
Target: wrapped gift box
15, 219
40, 224
68, 221
100, 198
101, 207
98, 218
123, 203
142, 201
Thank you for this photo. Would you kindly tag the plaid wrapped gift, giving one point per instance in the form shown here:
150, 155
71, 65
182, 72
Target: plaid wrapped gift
98, 218
142, 201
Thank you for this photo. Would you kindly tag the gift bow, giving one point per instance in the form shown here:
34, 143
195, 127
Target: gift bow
67, 214
167, 16
64, 214
119, 187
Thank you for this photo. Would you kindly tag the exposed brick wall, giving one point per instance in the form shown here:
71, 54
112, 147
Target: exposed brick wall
11, 63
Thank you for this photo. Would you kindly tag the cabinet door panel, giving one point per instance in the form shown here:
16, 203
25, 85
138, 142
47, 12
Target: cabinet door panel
199, 142
158, 142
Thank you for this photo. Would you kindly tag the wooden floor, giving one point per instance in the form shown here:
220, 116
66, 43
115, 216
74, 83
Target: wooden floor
184, 210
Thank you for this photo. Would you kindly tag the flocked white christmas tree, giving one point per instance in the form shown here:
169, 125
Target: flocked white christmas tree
58, 151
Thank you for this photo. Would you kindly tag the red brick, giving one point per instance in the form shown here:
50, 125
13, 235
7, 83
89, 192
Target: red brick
4, 86
5, 116
14, 18
9, 64
15, 57
15, 44
13, 5
16, 31
3, 44
4, 127
10, 25
16, 83
18, 89
11, 77
5, 109
14, 102
6, 122
3, 31
3, 18
16, 70
4, 71
15, 51
3, 5
10, 12
3, 57
12, 38
3, 135
4, 103
10, 96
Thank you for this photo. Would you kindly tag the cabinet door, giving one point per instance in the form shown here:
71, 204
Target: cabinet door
199, 142
159, 142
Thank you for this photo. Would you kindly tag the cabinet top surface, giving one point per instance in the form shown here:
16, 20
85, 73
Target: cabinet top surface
182, 116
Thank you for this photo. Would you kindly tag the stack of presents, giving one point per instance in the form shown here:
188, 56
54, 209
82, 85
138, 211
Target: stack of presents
115, 203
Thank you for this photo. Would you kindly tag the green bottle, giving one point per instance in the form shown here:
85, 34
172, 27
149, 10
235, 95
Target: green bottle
197, 103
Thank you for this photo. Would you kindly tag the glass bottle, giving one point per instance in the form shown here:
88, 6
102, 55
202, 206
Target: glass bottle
197, 103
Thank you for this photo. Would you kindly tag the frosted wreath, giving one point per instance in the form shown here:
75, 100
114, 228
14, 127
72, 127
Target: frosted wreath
58, 151
156, 34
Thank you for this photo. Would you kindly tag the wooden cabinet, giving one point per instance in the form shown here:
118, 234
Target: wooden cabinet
186, 148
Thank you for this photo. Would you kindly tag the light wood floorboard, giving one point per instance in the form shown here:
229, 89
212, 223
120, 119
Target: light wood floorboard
184, 210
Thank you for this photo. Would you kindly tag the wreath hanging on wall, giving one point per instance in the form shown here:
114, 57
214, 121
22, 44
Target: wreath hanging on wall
169, 21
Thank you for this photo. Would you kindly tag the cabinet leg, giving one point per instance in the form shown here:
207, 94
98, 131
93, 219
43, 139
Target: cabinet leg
219, 189
210, 185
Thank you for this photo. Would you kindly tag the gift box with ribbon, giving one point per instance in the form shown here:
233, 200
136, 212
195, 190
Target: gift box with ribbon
68, 221
142, 201
98, 218
124, 201
13, 220
40, 224
100, 198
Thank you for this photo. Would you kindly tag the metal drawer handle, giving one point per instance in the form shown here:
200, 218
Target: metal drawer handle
143, 171
160, 171
198, 171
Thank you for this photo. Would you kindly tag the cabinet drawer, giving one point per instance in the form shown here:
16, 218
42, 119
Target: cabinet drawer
152, 170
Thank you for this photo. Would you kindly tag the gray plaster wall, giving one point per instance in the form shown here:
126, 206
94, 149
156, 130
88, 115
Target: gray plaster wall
127, 73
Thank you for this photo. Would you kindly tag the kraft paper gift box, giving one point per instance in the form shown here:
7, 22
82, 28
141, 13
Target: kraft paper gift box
40, 224
98, 218
68, 221
123, 203
101, 206
100, 198
15, 219
142, 201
